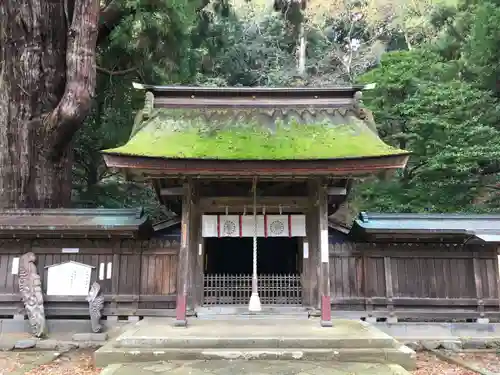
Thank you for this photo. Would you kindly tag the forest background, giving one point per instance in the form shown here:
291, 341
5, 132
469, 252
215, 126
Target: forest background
436, 65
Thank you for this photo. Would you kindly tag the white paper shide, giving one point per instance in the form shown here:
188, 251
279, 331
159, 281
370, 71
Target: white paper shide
306, 250
15, 266
68, 279
324, 246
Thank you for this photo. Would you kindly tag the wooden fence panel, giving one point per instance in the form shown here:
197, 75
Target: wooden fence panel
489, 277
140, 281
432, 278
423, 281
159, 274
346, 271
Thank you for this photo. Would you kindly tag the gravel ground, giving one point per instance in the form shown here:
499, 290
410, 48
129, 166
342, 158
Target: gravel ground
72, 363
10, 362
428, 364
490, 361
80, 363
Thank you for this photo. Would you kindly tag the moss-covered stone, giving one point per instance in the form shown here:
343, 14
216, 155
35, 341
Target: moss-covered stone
254, 134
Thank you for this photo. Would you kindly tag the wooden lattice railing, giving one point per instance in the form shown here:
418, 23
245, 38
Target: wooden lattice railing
221, 289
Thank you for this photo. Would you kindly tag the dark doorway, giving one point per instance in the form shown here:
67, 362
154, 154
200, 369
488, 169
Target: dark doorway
228, 271
232, 256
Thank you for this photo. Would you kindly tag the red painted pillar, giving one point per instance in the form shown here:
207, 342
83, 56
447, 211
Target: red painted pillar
180, 310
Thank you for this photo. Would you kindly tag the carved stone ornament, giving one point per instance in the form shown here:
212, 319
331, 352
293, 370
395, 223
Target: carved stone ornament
30, 287
96, 304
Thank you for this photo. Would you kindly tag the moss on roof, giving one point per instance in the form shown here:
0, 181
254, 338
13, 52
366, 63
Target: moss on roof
254, 134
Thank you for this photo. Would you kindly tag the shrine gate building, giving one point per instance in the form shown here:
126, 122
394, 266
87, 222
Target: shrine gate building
254, 174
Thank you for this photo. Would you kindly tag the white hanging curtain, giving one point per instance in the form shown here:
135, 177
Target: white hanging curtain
244, 226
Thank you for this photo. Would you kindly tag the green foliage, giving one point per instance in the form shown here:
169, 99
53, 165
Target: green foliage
437, 92
449, 125
481, 49
154, 37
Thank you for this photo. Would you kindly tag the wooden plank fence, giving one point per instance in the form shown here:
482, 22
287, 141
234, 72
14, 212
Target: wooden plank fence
404, 281
142, 277
415, 281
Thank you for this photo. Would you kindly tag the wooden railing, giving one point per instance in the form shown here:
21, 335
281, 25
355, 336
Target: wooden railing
221, 289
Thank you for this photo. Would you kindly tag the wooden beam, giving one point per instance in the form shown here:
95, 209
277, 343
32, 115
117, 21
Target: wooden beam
238, 204
172, 191
274, 201
238, 210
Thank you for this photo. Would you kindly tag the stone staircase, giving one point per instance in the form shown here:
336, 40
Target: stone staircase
242, 313
348, 342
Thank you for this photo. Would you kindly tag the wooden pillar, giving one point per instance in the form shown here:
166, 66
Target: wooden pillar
324, 283
184, 257
194, 231
478, 284
312, 263
389, 292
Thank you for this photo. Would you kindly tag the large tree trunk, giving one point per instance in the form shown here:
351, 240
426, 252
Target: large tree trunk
47, 78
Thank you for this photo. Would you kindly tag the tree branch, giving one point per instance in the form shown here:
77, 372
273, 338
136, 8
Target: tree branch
115, 72
109, 16
75, 104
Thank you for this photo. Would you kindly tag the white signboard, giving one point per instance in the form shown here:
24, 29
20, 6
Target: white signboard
68, 279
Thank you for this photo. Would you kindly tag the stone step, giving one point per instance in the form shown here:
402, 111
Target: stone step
268, 342
243, 367
249, 334
266, 316
243, 311
402, 356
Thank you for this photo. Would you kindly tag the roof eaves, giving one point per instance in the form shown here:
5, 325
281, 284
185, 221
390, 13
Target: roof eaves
366, 217
95, 223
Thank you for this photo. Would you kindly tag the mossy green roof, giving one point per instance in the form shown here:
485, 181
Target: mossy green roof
255, 134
